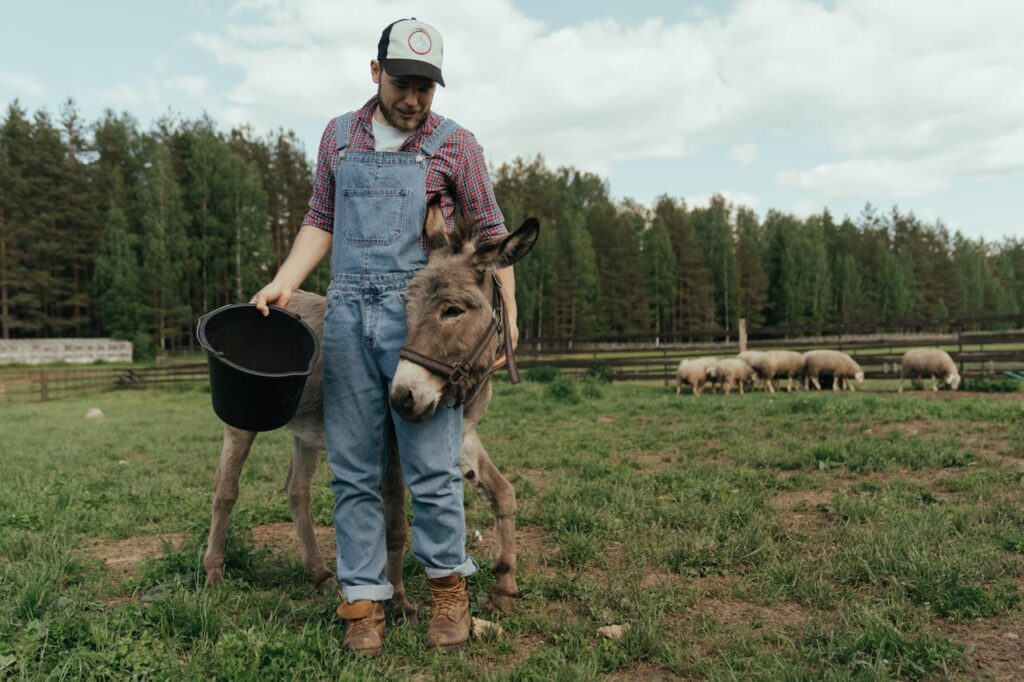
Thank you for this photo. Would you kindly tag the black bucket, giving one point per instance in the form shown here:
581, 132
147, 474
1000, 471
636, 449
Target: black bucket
258, 365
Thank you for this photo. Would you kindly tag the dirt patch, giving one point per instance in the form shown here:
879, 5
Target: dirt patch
653, 462
604, 419
657, 579
711, 585
910, 428
994, 646
122, 556
998, 450
282, 536
801, 499
964, 395
733, 612
538, 477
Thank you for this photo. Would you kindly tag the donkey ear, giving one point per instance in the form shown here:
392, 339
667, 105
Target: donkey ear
501, 253
434, 227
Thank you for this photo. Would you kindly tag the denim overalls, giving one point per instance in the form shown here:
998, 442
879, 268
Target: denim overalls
380, 205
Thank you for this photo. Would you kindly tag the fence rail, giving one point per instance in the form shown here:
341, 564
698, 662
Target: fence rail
879, 355
629, 359
39, 385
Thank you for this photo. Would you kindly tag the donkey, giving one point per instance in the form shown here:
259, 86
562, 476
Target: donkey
450, 305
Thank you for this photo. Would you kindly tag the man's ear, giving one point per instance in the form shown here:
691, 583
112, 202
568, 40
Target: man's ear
501, 253
375, 70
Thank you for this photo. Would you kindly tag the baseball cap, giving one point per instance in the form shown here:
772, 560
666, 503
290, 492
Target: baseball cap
409, 47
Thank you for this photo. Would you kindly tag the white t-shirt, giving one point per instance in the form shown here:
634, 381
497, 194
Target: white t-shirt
387, 138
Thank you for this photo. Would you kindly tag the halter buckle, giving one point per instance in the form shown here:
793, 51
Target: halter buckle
460, 372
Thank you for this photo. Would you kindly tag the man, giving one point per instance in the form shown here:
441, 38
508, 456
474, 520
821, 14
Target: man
378, 169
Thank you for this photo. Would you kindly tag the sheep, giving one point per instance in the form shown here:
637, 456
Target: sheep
730, 372
692, 371
922, 362
775, 363
840, 366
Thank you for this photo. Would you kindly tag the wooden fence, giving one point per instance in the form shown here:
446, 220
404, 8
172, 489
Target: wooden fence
36, 385
630, 358
977, 353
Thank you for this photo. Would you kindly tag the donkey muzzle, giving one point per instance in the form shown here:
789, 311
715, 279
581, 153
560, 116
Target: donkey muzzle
415, 392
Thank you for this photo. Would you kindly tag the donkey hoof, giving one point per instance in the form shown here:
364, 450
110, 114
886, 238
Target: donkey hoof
502, 601
326, 583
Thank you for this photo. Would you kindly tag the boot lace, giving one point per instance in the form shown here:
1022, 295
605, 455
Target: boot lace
446, 600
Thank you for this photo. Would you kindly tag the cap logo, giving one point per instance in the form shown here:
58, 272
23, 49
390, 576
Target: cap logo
419, 42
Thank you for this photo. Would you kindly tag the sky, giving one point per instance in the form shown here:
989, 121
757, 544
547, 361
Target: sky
793, 105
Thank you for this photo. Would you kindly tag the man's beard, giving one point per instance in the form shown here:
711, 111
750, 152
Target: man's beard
395, 120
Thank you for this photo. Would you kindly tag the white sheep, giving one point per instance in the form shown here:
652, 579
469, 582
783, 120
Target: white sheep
731, 372
836, 364
923, 362
692, 371
773, 364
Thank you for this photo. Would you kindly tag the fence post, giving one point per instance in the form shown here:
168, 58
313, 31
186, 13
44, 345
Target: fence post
960, 344
664, 364
44, 388
743, 334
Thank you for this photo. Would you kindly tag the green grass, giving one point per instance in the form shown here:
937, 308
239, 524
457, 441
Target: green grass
803, 536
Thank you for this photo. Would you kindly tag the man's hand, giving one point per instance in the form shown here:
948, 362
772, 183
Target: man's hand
272, 294
310, 246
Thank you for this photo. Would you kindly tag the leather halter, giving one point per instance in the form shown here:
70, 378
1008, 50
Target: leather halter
458, 374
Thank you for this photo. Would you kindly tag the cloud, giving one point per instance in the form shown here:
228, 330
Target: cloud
22, 84
910, 96
193, 86
745, 154
871, 177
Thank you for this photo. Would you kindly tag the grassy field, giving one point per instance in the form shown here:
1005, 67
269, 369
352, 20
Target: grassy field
761, 537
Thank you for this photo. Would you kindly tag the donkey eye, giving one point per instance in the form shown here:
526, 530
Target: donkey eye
451, 312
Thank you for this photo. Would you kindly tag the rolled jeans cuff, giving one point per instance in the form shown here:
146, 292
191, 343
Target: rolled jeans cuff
371, 592
464, 570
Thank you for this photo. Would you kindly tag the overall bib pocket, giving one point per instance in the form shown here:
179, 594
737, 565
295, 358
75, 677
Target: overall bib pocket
372, 217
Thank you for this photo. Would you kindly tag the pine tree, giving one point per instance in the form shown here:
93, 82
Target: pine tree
79, 224
713, 228
15, 212
615, 233
164, 247
752, 280
117, 280
693, 308
662, 275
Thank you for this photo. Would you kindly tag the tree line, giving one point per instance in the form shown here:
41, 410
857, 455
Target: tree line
110, 230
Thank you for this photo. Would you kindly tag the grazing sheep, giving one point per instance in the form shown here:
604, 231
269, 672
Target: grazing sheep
692, 371
923, 362
836, 364
773, 364
731, 372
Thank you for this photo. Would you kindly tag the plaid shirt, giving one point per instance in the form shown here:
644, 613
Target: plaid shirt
457, 172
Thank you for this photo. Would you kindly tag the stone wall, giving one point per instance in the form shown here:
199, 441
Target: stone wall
40, 351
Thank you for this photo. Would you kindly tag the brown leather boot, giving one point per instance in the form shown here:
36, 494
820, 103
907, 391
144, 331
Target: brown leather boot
364, 621
449, 617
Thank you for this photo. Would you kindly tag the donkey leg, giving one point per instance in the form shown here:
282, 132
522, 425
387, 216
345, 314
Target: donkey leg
502, 496
397, 529
225, 492
305, 459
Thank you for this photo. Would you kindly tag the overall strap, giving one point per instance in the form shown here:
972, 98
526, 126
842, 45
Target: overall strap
440, 135
342, 130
